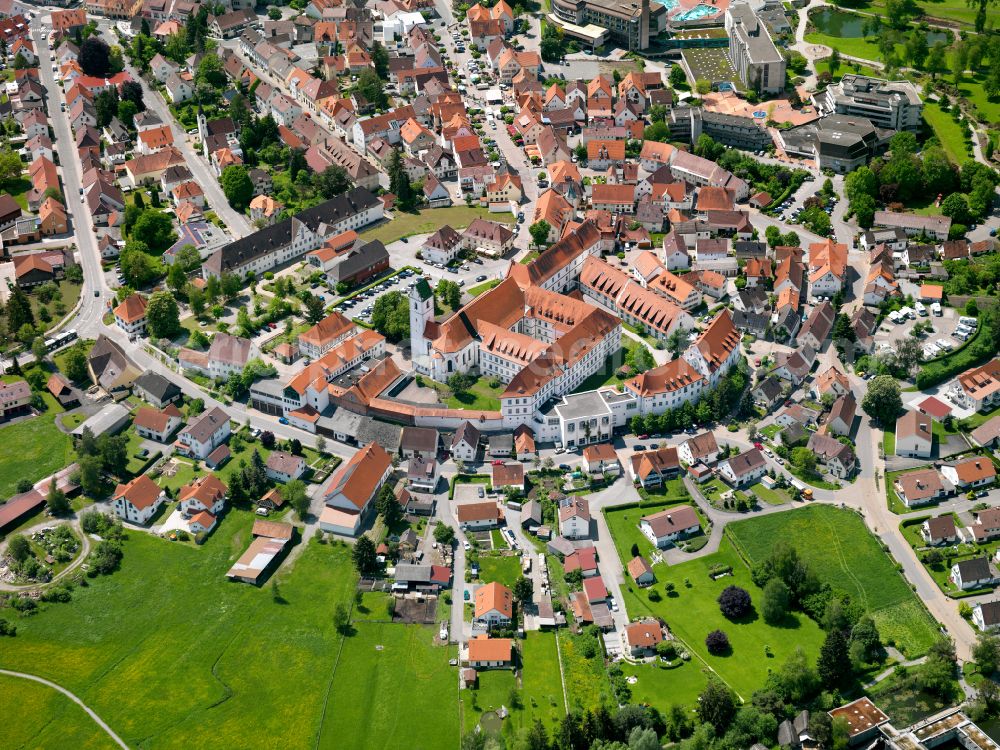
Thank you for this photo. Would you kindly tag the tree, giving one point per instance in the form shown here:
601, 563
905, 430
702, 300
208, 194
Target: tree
19, 548
364, 556
678, 78
907, 354
523, 590
834, 662
444, 534
341, 614
986, 653
399, 181
294, 493
937, 673
371, 87
956, 207
237, 186
865, 641
774, 608
131, 91
56, 500
391, 316
10, 164
90, 475
552, 47
380, 60
95, 57
176, 278
804, 459
734, 602
387, 506
936, 59
315, 311
864, 210
274, 13
717, 705
717, 642
332, 181
19, 312
106, 107
39, 349
882, 401
155, 229
162, 316
539, 232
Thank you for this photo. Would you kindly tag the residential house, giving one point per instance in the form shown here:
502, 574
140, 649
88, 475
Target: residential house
940, 530
641, 571
284, 467
838, 458
975, 573
465, 443
670, 525
574, 517
477, 516
914, 435
654, 467
204, 434
743, 469
138, 500
157, 424
969, 473
349, 493
600, 459
919, 487
494, 605
641, 638
702, 448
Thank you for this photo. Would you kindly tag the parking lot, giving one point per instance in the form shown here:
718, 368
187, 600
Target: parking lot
946, 334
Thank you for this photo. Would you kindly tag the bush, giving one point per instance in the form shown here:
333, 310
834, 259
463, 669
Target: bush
734, 602
717, 642
654, 595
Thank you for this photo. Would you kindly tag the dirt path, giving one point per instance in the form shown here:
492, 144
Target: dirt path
90, 712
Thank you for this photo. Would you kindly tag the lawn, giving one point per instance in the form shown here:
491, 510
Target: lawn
208, 652
979, 418
493, 691
842, 552
623, 522
479, 396
41, 448
429, 220
823, 66
693, 612
46, 719
389, 681
608, 374
955, 10
505, 570
850, 46
948, 132
889, 441
662, 687
18, 188
769, 496
484, 287
541, 686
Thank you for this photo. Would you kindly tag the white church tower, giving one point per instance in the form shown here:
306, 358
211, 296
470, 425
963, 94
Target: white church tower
421, 313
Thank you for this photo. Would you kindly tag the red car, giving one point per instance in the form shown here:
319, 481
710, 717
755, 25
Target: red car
498, 462
758, 446
644, 437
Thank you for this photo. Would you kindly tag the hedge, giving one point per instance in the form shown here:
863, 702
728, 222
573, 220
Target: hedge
976, 351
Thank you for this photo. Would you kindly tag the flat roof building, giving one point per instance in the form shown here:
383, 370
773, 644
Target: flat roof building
758, 62
894, 105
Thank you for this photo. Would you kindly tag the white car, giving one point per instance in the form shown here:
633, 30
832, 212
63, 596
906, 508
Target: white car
467, 546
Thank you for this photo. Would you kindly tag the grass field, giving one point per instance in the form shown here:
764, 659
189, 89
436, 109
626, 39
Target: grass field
541, 687
42, 448
429, 220
505, 570
989, 110
955, 10
46, 719
948, 132
390, 681
769, 496
693, 612
841, 551
207, 652
493, 690
850, 46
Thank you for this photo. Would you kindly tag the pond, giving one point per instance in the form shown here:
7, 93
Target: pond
844, 25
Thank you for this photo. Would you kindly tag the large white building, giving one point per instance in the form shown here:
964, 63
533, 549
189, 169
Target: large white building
294, 237
892, 105
758, 62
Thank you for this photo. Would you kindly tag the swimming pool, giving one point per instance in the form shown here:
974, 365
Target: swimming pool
699, 11
668, 4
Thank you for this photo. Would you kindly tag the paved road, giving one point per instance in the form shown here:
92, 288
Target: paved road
239, 225
88, 318
90, 712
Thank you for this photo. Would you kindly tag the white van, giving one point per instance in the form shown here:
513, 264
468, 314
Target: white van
895, 317
936, 308
921, 310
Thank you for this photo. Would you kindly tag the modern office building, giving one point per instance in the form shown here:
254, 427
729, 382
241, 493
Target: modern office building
836, 142
752, 53
629, 23
895, 105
